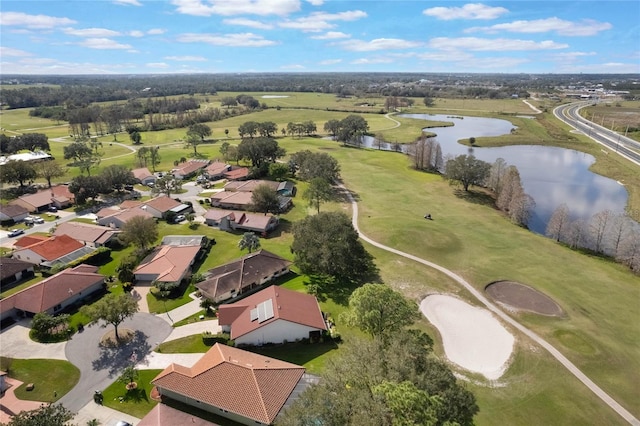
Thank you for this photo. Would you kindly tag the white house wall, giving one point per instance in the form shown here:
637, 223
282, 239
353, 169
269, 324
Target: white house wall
275, 332
28, 256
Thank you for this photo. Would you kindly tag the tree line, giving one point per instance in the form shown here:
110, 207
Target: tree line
26, 141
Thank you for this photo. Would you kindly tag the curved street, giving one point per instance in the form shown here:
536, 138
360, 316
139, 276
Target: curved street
600, 393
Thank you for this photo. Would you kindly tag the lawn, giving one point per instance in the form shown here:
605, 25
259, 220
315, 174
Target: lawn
135, 402
52, 378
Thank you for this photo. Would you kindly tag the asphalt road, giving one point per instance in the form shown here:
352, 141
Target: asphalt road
621, 145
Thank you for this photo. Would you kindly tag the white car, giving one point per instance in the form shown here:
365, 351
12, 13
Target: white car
38, 220
179, 218
16, 232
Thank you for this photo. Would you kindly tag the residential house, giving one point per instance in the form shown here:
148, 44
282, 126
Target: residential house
143, 175
167, 264
28, 240
13, 271
216, 170
189, 169
243, 275
237, 220
90, 235
160, 206
52, 295
272, 315
164, 415
237, 173
57, 196
13, 213
232, 200
248, 388
118, 218
55, 250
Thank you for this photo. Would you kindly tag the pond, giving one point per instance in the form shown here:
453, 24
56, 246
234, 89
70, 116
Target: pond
550, 175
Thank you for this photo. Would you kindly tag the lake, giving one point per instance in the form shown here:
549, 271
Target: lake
550, 175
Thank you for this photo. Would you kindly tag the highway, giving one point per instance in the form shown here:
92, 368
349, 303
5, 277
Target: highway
621, 145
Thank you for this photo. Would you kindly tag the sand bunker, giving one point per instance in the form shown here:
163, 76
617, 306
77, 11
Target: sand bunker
472, 337
521, 297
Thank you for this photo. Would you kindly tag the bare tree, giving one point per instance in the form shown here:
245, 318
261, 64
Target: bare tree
629, 251
510, 185
378, 141
620, 228
558, 223
521, 207
598, 228
577, 236
496, 175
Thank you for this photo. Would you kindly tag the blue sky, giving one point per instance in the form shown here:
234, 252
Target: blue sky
219, 36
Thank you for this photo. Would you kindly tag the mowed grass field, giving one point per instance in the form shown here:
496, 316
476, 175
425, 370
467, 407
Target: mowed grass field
600, 332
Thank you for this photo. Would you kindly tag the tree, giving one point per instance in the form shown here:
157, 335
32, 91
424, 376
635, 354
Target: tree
83, 156
43, 324
428, 101
88, 187
318, 192
19, 172
199, 129
496, 176
249, 241
135, 137
192, 140
327, 244
332, 127
125, 270
167, 185
140, 231
46, 415
379, 310
309, 165
278, 171
379, 141
116, 176
408, 405
112, 309
260, 151
143, 156
228, 101
129, 376
154, 157
265, 200
267, 128
558, 223
352, 128
598, 226
467, 170
49, 170
248, 128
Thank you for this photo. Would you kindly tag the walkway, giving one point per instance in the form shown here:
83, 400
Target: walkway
10, 404
600, 393
182, 312
194, 328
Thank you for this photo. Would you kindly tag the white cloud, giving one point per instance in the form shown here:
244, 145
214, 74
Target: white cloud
234, 40
330, 62
369, 61
248, 23
136, 33
292, 67
33, 21
496, 45
127, 2
331, 35
377, 44
91, 32
468, 11
156, 31
237, 7
185, 58
160, 65
316, 2
321, 21
8, 51
103, 44
586, 27
604, 68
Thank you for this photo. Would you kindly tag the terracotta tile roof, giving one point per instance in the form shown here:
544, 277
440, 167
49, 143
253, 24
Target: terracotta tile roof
163, 415
54, 290
244, 219
107, 211
190, 167
168, 263
85, 231
239, 173
242, 272
29, 240
141, 174
129, 204
9, 267
12, 210
163, 203
126, 215
217, 168
241, 382
288, 305
54, 247
233, 198
43, 197
218, 214
250, 185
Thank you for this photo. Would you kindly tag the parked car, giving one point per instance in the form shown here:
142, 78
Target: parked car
123, 423
150, 184
53, 209
179, 218
29, 220
38, 220
16, 232
128, 187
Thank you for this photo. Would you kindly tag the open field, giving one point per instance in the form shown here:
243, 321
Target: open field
600, 330
622, 116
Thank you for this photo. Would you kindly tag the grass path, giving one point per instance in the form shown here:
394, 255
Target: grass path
599, 392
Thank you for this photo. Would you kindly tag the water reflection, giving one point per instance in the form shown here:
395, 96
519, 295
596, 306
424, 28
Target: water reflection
551, 175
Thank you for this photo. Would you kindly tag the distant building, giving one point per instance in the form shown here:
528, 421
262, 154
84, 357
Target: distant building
57, 196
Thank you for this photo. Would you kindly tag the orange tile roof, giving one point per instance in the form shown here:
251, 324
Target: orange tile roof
247, 384
29, 240
141, 173
162, 203
191, 166
217, 168
238, 173
169, 263
54, 290
85, 231
54, 247
288, 305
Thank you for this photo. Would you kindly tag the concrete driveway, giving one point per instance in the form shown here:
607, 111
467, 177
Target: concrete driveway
16, 343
